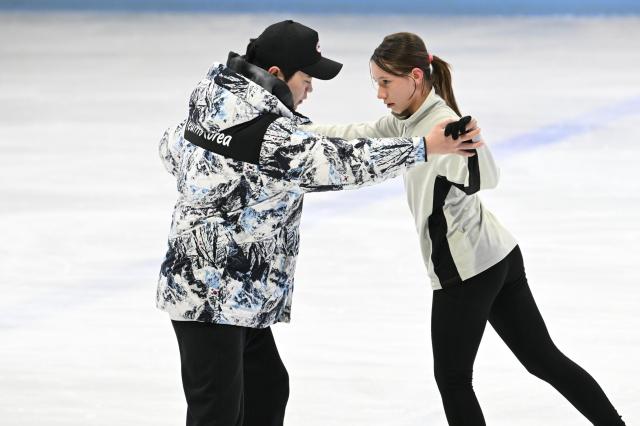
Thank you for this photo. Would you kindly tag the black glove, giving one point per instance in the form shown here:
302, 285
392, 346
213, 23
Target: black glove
457, 128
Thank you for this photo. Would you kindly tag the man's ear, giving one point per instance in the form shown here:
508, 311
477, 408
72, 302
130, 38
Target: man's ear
276, 72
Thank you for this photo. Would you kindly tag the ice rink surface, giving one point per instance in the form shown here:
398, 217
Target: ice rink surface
86, 208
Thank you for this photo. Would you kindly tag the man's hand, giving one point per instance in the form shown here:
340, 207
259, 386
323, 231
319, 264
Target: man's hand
445, 138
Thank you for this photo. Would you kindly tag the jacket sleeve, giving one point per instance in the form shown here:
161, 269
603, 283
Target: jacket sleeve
320, 163
470, 174
171, 146
385, 127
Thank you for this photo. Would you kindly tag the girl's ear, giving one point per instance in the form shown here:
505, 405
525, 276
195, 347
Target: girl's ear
417, 74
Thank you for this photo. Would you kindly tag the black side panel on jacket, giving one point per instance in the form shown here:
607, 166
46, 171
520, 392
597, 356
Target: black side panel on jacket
443, 263
474, 175
242, 142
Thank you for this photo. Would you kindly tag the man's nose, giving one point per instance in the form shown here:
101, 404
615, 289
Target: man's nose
310, 88
382, 94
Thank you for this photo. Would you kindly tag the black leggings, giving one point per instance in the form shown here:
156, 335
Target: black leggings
232, 376
502, 296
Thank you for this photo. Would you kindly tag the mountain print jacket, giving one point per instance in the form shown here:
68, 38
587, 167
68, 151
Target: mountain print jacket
242, 166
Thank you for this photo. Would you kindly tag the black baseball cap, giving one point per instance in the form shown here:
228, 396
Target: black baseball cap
293, 47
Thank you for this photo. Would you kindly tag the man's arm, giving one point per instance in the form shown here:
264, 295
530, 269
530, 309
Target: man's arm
320, 163
284, 151
170, 148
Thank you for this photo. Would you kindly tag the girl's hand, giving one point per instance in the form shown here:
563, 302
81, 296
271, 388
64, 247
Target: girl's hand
467, 139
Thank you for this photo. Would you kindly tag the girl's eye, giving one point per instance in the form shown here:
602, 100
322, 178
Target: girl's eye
381, 83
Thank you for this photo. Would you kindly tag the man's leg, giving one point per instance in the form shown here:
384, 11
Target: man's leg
517, 320
266, 381
211, 357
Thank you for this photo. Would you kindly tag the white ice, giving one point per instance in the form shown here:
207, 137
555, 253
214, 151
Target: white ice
85, 210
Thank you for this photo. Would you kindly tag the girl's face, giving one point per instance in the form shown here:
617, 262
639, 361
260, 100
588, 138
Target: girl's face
402, 94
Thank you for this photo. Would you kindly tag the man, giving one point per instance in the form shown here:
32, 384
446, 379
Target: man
242, 166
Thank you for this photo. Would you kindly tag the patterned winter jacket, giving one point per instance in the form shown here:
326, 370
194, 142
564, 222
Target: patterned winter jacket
242, 166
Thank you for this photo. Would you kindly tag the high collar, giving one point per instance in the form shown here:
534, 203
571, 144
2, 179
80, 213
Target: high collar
431, 99
261, 77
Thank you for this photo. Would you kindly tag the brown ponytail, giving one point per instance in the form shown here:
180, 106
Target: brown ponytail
441, 80
399, 53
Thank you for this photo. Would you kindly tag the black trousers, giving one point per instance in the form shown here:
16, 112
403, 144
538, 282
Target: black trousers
232, 376
502, 296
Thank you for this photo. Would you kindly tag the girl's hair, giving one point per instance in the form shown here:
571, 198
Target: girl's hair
399, 53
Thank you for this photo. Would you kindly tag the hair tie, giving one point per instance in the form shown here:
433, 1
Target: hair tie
430, 58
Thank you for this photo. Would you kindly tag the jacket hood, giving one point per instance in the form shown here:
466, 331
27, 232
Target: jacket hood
262, 78
237, 93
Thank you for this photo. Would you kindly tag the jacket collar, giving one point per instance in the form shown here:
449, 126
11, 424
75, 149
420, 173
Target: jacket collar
261, 77
427, 105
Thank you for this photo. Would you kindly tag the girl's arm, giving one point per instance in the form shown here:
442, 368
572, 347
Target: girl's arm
385, 127
470, 174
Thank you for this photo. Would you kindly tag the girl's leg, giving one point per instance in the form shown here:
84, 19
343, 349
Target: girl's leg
517, 320
458, 319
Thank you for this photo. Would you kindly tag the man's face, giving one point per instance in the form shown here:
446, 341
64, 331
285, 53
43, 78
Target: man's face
300, 85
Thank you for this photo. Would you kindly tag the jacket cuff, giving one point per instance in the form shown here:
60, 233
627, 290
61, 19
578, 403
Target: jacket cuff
420, 149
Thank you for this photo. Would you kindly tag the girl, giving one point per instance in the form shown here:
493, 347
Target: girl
474, 263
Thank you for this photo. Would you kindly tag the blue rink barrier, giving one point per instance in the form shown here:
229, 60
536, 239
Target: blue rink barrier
442, 7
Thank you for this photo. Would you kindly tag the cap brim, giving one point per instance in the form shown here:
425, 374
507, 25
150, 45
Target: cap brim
324, 69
